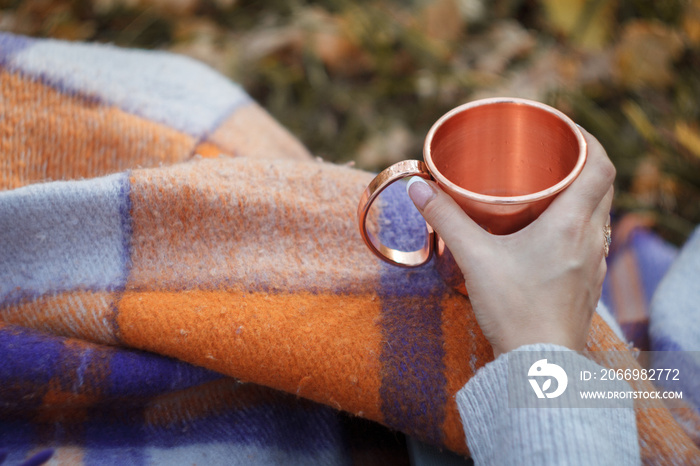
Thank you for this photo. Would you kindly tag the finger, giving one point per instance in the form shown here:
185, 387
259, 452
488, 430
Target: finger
587, 191
459, 232
601, 214
595, 227
602, 271
599, 220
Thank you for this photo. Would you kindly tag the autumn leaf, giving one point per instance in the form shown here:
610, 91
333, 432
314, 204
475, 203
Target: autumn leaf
442, 20
645, 55
333, 40
639, 120
691, 22
688, 137
586, 23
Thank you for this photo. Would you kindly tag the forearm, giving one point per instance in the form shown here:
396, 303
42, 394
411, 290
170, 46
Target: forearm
498, 433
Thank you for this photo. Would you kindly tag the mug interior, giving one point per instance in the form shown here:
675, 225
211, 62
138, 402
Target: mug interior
504, 149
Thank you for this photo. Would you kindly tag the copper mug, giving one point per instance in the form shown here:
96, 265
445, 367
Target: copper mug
503, 160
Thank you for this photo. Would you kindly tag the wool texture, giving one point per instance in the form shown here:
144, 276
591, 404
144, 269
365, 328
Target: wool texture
181, 282
540, 435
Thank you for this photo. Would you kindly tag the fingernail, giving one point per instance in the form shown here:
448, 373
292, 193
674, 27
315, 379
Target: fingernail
420, 192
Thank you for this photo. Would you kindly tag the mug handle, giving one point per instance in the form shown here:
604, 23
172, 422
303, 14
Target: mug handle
380, 183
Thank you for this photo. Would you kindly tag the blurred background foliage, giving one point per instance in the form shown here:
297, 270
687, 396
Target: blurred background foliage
363, 81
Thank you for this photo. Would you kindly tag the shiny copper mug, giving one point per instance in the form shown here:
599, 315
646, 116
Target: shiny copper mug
503, 160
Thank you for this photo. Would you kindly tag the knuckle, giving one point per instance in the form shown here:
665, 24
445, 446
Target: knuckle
438, 214
572, 225
608, 171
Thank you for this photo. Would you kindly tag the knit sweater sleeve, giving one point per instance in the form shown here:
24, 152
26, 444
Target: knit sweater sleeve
499, 434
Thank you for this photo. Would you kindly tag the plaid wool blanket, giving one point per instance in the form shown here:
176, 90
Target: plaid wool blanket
181, 282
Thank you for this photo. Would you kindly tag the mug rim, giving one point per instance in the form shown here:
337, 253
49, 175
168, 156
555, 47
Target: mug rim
522, 199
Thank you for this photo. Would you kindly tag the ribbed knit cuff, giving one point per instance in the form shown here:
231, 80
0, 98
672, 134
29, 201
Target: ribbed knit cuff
499, 434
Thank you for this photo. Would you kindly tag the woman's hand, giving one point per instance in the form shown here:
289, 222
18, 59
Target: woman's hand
542, 283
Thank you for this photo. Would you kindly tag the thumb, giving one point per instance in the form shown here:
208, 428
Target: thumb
459, 232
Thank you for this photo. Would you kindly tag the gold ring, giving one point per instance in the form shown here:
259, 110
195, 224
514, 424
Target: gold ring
608, 239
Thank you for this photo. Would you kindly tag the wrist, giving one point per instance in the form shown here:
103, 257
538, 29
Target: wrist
509, 345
